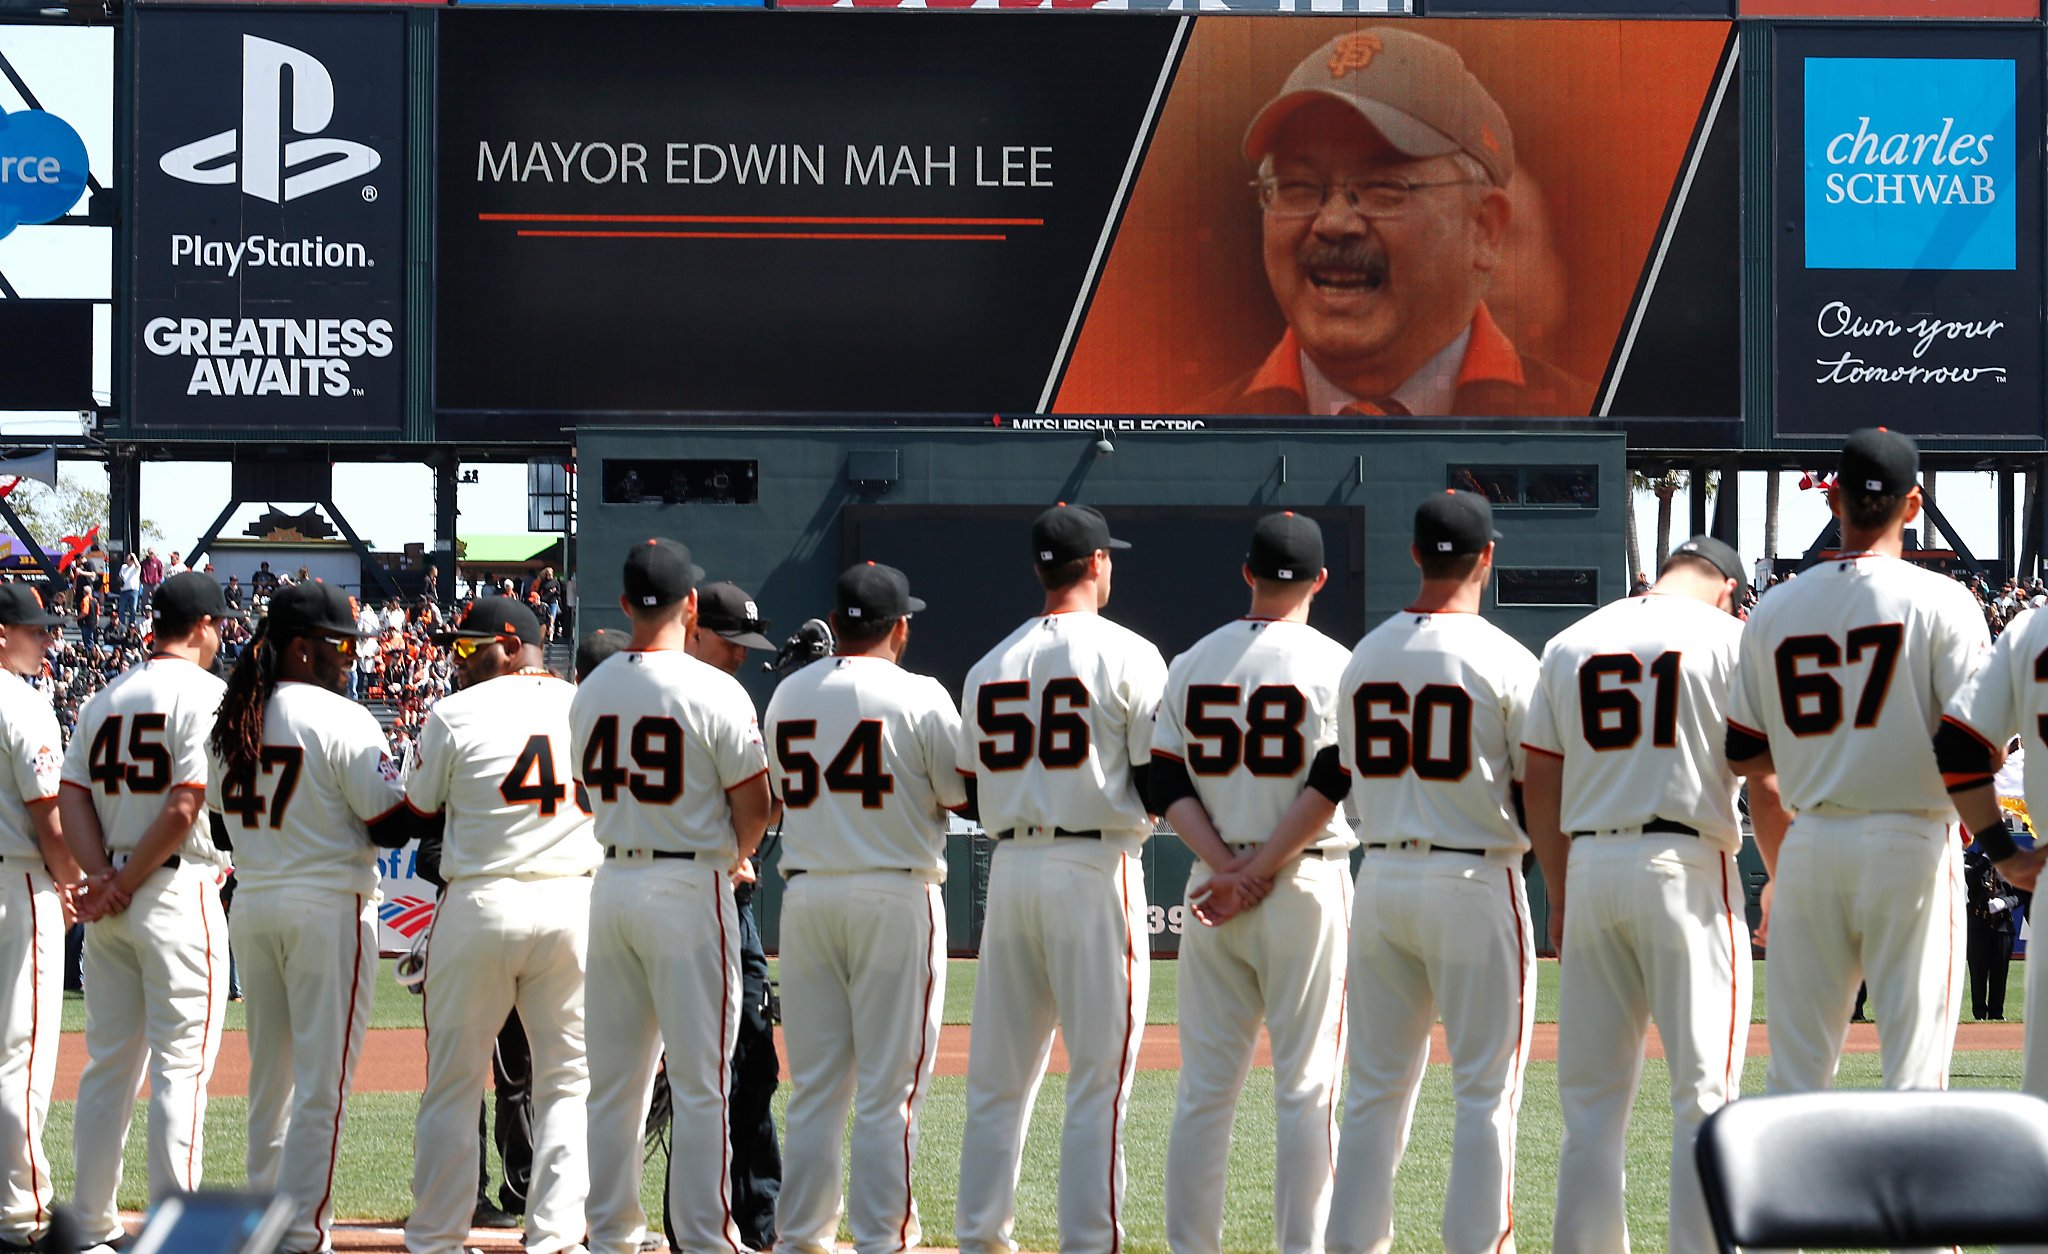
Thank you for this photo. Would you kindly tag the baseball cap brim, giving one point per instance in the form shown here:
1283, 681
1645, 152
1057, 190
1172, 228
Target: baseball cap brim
751, 639
1407, 135
40, 619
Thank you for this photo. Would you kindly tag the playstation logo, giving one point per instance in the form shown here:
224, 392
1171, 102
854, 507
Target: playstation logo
268, 159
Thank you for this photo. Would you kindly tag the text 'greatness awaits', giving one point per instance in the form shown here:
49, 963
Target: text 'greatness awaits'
601, 163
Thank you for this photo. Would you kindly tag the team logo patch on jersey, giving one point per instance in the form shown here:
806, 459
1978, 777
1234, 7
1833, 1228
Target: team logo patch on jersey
388, 769
407, 916
48, 761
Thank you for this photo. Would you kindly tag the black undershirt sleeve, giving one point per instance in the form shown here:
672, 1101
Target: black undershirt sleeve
217, 823
1964, 758
1141, 783
972, 810
1170, 783
1327, 775
1744, 745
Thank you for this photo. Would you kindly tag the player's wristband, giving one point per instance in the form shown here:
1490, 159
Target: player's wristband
1996, 841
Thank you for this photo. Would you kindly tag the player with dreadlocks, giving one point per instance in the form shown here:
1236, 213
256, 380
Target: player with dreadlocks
308, 791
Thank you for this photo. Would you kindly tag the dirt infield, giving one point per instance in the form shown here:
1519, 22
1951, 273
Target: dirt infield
395, 1059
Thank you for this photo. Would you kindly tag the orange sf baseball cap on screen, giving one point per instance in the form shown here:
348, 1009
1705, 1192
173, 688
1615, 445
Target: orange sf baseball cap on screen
1414, 91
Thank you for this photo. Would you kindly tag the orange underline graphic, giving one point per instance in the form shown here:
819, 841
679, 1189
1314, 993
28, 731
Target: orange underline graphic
752, 220
926, 236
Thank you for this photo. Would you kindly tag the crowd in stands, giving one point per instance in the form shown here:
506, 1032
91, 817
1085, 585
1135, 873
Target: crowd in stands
2001, 602
398, 665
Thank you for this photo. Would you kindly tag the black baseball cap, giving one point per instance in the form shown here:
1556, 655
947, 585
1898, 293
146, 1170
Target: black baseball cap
1453, 523
312, 608
187, 597
726, 609
1879, 462
21, 607
1066, 532
495, 618
595, 647
1716, 552
1286, 546
872, 593
659, 572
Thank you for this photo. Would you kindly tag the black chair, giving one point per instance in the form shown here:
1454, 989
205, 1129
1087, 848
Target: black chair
1843, 1170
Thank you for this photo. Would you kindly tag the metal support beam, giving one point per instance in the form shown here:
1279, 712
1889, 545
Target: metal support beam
1830, 537
124, 502
1728, 504
385, 583
1696, 498
213, 532
2030, 526
35, 546
2005, 521
1934, 515
446, 473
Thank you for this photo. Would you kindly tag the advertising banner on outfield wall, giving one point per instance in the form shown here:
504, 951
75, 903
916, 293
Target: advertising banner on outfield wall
268, 220
1342, 220
1908, 200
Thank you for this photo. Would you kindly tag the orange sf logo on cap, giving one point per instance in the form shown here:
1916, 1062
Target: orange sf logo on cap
1353, 52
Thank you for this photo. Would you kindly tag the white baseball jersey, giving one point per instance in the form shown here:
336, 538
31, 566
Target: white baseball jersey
1634, 698
496, 757
2009, 697
35, 757
1054, 718
1247, 709
1430, 728
1846, 672
659, 737
139, 737
299, 820
864, 756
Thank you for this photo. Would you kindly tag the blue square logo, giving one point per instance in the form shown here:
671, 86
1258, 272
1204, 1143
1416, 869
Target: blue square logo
1909, 164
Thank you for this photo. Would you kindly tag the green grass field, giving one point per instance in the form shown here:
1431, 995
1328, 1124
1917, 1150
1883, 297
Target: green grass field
373, 1179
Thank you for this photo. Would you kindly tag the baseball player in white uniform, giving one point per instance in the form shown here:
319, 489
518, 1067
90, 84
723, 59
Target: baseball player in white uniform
517, 852
863, 755
1430, 717
1632, 809
1056, 726
1245, 714
308, 792
38, 880
669, 753
1844, 677
2008, 697
156, 949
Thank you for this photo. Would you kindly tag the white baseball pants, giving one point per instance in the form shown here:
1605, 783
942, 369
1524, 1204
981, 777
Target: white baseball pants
863, 985
308, 960
1654, 930
31, 1001
1435, 931
1064, 939
501, 943
2034, 1054
664, 966
156, 977
1281, 965
1870, 897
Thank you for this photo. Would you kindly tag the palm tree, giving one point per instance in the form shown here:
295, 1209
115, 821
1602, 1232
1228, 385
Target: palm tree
1771, 513
1666, 487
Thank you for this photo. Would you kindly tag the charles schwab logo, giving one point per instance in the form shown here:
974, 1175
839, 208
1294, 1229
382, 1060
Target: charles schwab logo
1909, 164
260, 154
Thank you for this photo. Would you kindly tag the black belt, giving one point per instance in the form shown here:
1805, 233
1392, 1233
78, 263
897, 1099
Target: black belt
170, 863
1435, 848
1058, 833
687, 855
1655, 827
889, 870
